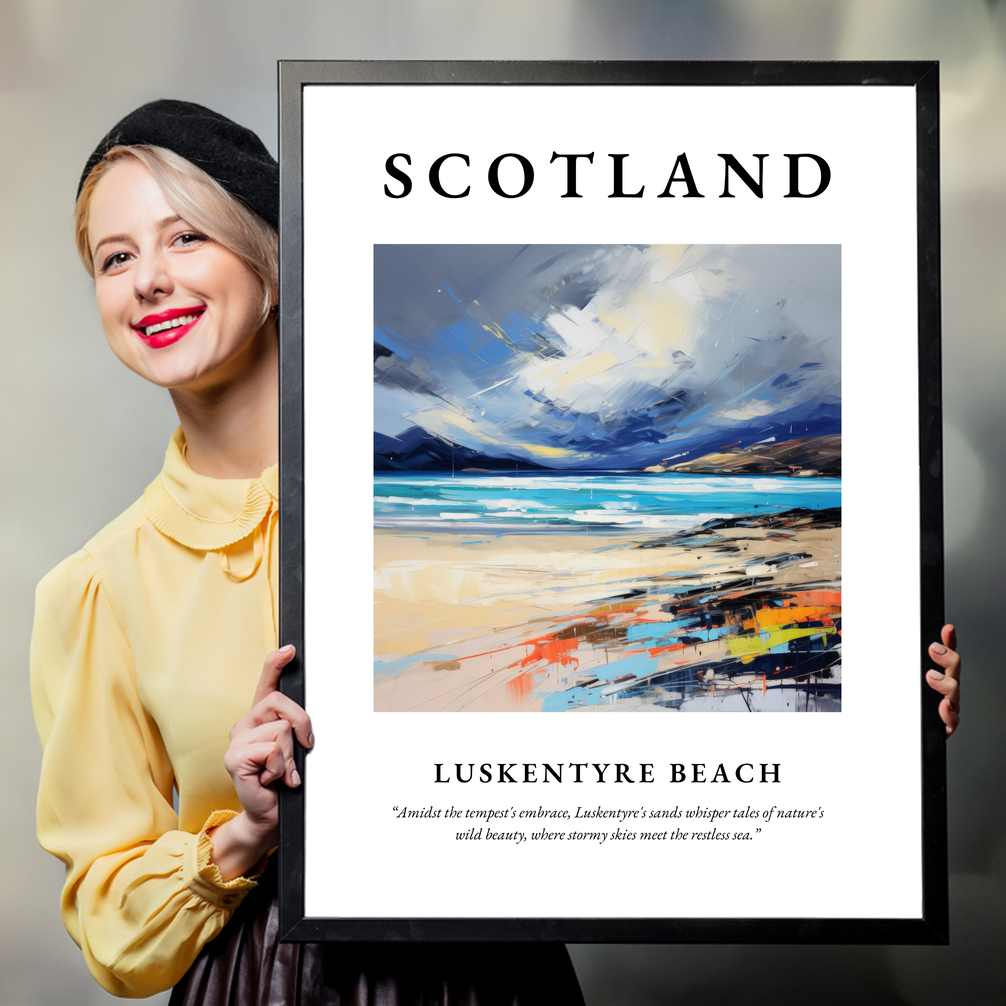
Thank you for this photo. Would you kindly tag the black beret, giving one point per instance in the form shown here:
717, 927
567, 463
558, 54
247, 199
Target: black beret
231, 154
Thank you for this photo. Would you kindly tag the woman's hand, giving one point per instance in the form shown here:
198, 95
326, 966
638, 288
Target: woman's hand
947, 682
260, 753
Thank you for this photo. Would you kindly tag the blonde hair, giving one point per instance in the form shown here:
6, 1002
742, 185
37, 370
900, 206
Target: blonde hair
199, 200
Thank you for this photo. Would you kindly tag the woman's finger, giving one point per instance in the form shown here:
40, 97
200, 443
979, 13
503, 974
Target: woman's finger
278, 732
271, 671
947, 681
950, 716
948, 659
273, 766
259, 760
949, 688
277, 706
945, 685
949, 713
949, 636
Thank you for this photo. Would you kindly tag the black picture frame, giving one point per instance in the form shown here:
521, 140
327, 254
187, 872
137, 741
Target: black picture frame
932, 925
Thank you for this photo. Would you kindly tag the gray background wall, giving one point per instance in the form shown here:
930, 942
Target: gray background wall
82, 436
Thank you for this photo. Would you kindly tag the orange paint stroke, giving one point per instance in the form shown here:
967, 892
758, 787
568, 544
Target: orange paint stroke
552, 651
795, 614
520, 687
822, 598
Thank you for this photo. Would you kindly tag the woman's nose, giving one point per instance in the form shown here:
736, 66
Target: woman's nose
152, 277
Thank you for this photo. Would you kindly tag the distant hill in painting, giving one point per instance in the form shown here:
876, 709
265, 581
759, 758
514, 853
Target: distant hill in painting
806, 457
416, 450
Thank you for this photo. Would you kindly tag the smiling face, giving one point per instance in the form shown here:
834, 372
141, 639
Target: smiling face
177, 307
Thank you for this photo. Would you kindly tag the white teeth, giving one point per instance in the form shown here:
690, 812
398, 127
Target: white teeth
173, 323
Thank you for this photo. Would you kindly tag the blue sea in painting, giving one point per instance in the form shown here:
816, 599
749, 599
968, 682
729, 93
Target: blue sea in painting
561, 501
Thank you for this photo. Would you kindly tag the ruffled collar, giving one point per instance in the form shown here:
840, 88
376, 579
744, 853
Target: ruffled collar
203, 513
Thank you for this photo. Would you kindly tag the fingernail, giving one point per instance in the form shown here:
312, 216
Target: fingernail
287, 649
938, 648
295, 777
310, 740
935, 675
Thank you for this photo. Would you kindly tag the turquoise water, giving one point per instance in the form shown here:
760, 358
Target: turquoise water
556, 501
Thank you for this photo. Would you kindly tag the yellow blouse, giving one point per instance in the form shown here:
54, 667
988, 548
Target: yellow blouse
147, 647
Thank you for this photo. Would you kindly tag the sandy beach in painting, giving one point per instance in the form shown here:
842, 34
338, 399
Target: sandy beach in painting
731, 614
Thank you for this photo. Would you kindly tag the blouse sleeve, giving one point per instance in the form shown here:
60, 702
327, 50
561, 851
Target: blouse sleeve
141, 898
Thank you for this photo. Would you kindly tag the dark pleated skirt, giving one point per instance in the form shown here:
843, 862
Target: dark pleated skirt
246, 965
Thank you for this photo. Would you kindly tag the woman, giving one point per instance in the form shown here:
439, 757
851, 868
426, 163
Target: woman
149, 642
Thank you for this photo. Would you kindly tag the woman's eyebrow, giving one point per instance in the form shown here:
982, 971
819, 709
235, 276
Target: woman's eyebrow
160, 225
109, 240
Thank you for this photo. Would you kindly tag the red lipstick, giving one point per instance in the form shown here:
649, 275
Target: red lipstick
166, 327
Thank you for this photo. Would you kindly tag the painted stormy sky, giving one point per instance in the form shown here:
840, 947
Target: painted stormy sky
606, 357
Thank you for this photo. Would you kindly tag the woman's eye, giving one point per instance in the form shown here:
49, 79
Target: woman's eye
190, 238
114, 261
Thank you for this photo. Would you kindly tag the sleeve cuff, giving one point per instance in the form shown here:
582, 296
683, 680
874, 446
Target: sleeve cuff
202, 876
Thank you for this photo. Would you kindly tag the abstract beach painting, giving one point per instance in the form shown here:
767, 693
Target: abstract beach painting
607, 478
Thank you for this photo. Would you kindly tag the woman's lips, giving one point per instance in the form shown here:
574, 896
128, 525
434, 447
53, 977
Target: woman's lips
166, 327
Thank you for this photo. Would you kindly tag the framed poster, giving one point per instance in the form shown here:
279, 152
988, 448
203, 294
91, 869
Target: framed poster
569, 451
